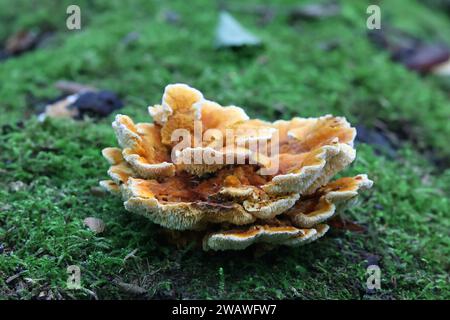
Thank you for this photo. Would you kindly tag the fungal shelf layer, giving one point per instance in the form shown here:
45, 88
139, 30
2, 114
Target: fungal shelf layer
232, 180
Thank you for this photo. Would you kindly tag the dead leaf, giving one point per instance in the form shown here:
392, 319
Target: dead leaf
442, 69
345, 224
85, 103
130, 288
97, 104
414, 53
21, 41
230, 33
425, 58
70, 87
61, 109
94, 224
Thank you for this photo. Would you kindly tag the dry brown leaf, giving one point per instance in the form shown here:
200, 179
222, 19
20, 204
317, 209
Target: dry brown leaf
94, 224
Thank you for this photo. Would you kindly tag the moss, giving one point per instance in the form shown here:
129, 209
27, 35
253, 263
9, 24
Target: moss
59, 161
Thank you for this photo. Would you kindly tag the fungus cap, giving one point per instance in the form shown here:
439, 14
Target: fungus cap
273, 235
142, 196
279, 196
327, 201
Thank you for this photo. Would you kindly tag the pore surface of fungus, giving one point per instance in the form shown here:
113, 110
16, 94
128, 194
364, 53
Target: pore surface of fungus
235, 181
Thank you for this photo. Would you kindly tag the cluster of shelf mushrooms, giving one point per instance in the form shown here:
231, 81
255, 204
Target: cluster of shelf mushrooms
282, 198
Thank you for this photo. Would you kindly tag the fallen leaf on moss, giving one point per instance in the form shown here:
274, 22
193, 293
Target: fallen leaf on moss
70, 87
414, 53
60, 109
94, 224
130, 288
95, 104
345, 224
442, 69
21, 42
230, 33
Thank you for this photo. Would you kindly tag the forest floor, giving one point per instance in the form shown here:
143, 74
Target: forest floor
49, 170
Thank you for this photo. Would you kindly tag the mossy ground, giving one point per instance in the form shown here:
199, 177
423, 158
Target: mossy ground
59, 161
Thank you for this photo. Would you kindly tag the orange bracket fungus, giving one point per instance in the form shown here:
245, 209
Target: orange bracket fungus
233, 181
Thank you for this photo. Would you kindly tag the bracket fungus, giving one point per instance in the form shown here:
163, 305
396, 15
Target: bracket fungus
233, 181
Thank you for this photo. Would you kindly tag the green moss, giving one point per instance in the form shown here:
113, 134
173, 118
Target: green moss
59, 161
406, 214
